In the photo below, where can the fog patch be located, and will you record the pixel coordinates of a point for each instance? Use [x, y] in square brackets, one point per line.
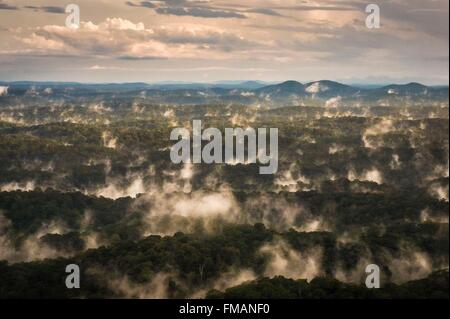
[411, 265]
[115, 189]
[395, 162]
[289, 263]
[355, 275]
[439, 191]
[99, 108]
[31, 248]
[335, 148]
[157, 288]
[316, 87]
[229, 279]
[371, 135]
[11, 119]
[108, 140]
[275, 213]
[285, 181]
[168, 213]
[171, 117]
[333, 102]
[18, 186]
[314, 225]
[4, 90]
[427, 216]
[92, 239]
[372, 175]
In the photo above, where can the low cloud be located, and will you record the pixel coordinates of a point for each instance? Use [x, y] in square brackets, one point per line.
[48, 9]
[200, 12]
[5, 6]
[265, 11]
[145, 4]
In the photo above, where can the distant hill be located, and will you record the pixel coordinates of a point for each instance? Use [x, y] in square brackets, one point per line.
[410, 88]
[288, 93]
[283, 89]
[327, 88]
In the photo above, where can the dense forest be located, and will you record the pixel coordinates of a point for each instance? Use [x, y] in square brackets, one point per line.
[91, 183]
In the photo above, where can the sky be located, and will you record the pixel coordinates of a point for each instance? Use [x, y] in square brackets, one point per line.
[213, 40]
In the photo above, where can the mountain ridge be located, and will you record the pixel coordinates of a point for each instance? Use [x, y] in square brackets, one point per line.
[323, 92]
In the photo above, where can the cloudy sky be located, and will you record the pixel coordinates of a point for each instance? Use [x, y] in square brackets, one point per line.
[211, 40]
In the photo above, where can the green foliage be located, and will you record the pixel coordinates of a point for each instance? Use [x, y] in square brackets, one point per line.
[435, 286]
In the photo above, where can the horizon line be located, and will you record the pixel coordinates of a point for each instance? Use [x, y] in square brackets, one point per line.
[223, 82]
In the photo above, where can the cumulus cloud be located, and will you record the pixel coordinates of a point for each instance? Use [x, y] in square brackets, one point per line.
[123, 39]
[290, 34]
